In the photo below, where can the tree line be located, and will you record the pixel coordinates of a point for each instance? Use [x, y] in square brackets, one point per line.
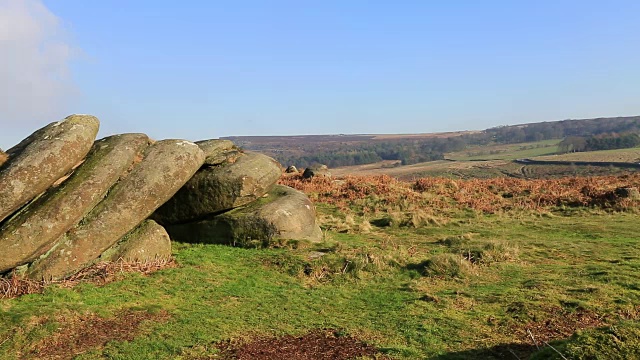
[578, 135]
[599, 142]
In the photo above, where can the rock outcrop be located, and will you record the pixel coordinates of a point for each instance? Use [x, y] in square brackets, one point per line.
[43, 158]
[32, 232]
[68, 201]
[284, 214]
[166, 166]
[291, 170]
[147, 242]
[218, 152]
[214, 189]
[316, 170]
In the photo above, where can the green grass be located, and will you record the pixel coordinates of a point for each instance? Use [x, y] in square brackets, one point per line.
[617, 155]
[620, 341]
[373, 286]
[506, 152]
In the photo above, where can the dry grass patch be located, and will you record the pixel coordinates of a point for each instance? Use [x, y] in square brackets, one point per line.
[100, 274]
[376, 195]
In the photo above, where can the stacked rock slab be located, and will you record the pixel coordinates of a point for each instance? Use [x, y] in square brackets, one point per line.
[284, 214]
[43, 158]
[67, 202]
[218, 152]
[166, 166]
[33, 231]
[147, 242]
[234, 200]
[217, 188]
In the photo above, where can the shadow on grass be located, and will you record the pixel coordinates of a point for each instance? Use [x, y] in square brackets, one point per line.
[503, 351]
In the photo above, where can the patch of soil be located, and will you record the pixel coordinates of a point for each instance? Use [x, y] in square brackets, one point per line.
[316, 345]
[561, 324]
[83, 333]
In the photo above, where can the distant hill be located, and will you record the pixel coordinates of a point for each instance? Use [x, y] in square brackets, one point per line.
[358, 149]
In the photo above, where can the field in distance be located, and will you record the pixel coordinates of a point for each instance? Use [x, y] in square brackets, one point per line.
[497, 161]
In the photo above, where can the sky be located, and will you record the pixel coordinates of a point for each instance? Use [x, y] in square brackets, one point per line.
[199, 69]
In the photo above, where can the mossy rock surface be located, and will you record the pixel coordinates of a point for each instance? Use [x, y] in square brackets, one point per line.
[214, 189]
[44, 157]
[166, 166]
[147, 242]
[33, 230]
[218, 152]
[284, 214]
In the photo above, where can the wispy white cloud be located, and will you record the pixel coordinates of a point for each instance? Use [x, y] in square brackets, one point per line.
[35, 83]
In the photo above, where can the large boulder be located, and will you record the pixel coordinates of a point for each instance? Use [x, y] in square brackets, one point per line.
[214, 189]
[166, 166]
[147, 242]
[284, 214]
[32, 231]
[43, 158]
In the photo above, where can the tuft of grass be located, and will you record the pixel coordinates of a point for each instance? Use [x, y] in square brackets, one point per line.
[481, 252]
[449, 266]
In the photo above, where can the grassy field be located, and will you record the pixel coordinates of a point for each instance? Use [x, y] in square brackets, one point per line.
[477, 170]
[618, 155]
[497, 161]
[506, 152]
[413, 282]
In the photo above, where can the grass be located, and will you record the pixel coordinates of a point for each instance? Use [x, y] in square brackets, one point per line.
[492, 161]
[506, 152]
[411, 291]
[618, 155]
[611, 342]
[434, 269]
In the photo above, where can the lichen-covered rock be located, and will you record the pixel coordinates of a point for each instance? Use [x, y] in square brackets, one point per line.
[166, 166]
[218, 152]
[42, 158]
[147, 242]
[33, 230]
[316, 170]
[218, 188]
[285, 214]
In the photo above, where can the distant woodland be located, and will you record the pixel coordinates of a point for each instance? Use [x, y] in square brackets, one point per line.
[334, 151]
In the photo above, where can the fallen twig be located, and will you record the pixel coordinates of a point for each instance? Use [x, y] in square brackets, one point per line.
[533, 339]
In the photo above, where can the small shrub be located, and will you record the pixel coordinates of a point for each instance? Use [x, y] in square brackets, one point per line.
[481, 252]
[456, 242]
[498, 251]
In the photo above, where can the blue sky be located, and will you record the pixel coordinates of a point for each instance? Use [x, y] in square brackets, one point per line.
[204, 69]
